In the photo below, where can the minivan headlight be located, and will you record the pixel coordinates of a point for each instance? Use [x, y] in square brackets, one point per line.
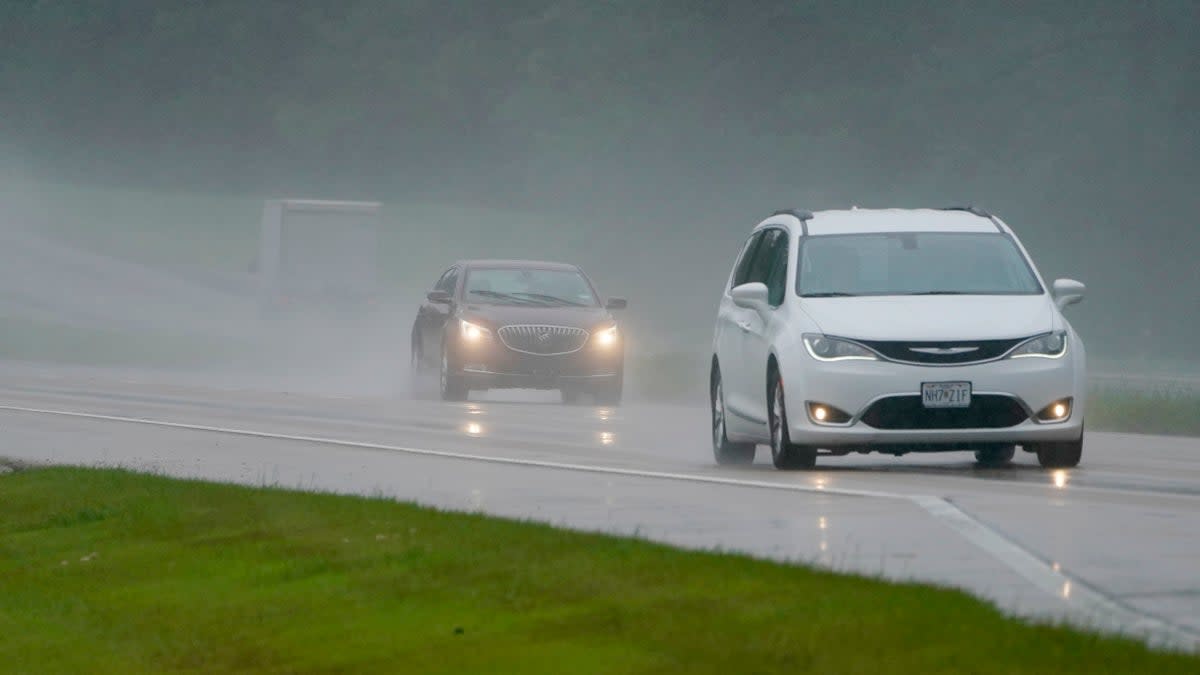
[826, 348]
[1045, 346]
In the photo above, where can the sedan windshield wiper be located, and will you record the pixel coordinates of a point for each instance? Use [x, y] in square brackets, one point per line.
[551, 298]
[830, 294]
[501, 296]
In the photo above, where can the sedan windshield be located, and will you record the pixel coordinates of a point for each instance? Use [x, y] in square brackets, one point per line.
[913, 263]
[528, 287]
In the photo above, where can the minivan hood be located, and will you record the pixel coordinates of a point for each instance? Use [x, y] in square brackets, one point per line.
[498, 316]
[932, 317]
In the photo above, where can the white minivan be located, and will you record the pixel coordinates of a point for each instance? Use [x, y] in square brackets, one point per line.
[894, 331]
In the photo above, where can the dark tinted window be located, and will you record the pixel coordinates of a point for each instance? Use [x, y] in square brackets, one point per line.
[528, 286]
[776, 276]
[741, 271]
[448, 281]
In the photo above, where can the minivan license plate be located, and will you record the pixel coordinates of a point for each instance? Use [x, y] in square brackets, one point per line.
[946, 394]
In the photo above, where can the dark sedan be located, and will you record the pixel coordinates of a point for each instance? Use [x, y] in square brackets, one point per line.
[490, 324]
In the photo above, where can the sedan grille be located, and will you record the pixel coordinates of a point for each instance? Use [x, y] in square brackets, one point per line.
[543, 340]
[958, 352]
[987, 411]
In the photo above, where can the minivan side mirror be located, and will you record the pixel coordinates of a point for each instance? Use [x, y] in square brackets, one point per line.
[1067, 292]
[616, 303]
[750, 296]
[438, 297]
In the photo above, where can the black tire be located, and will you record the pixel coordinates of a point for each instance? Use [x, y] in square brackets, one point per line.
[1059, 454]
[452, 386]
[785, 454]
[570, 395]
[1000, 455]
[725, 451]
[609, 394]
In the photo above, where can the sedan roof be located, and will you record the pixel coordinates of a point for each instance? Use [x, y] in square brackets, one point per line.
[517, 264]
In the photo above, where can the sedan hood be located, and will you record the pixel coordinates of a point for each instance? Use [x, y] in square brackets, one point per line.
[498, 316]
[932, 317]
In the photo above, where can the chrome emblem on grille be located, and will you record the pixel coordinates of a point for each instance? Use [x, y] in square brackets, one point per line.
[543, 340]
[943, 350]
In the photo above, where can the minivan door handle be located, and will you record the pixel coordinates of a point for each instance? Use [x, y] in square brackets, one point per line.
[744, 325]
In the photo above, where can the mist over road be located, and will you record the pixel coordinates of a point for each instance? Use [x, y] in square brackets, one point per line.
[1107, 545]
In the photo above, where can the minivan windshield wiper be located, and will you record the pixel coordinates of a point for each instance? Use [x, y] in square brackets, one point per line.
[830, 294]
[938, 293]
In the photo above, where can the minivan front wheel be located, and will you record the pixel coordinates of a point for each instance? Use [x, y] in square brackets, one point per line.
[784, 453]
[1059, 454]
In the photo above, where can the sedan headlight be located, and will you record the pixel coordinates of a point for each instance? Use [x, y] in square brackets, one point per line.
[825, 348]
[606, 337]
[473, 333]
[1045, 346]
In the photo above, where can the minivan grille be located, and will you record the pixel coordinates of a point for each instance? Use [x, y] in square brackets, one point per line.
[987, 411]
[957, 352]
[543, 340]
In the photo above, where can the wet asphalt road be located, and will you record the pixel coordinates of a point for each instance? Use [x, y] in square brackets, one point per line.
[1111, 544]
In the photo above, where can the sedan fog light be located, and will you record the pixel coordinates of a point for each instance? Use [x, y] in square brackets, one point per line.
[1058, 411]
[823, 413]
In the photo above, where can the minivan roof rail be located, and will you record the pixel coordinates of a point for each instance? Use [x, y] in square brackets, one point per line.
[969, 209]
[802, 216]
[976, 211]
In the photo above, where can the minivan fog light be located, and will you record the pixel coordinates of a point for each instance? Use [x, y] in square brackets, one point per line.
[1058, 411]
[823, 413]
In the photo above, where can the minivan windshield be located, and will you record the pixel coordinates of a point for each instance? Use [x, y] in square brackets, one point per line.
[528, 286]
[913, 263]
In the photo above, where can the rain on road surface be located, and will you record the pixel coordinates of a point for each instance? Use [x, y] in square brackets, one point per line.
[1110, 544]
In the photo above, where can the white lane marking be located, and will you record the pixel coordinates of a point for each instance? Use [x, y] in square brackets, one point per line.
[446, 454]
[1100, 610]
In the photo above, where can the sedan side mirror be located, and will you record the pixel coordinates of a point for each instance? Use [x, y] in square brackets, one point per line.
[616, 303]
[1067, 292]
[750, 296]
[438, 297]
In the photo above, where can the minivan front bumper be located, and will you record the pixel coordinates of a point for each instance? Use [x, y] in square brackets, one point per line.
[882, 400]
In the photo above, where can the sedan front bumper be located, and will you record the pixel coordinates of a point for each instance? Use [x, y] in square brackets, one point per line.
[494, 366]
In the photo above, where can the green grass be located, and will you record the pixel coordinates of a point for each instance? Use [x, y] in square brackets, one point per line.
[106, 571]
[1154, 412]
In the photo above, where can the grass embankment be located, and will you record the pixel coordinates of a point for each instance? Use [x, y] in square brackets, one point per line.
[1154, 412]
[110, 571]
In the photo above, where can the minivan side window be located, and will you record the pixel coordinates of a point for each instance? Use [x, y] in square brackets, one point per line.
[768, 265]
[776, 279]
[741, 271]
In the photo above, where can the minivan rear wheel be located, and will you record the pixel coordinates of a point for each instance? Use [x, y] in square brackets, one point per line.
[725, 451]
[999, 455]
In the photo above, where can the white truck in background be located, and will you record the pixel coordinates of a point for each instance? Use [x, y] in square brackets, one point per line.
[317, 254]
